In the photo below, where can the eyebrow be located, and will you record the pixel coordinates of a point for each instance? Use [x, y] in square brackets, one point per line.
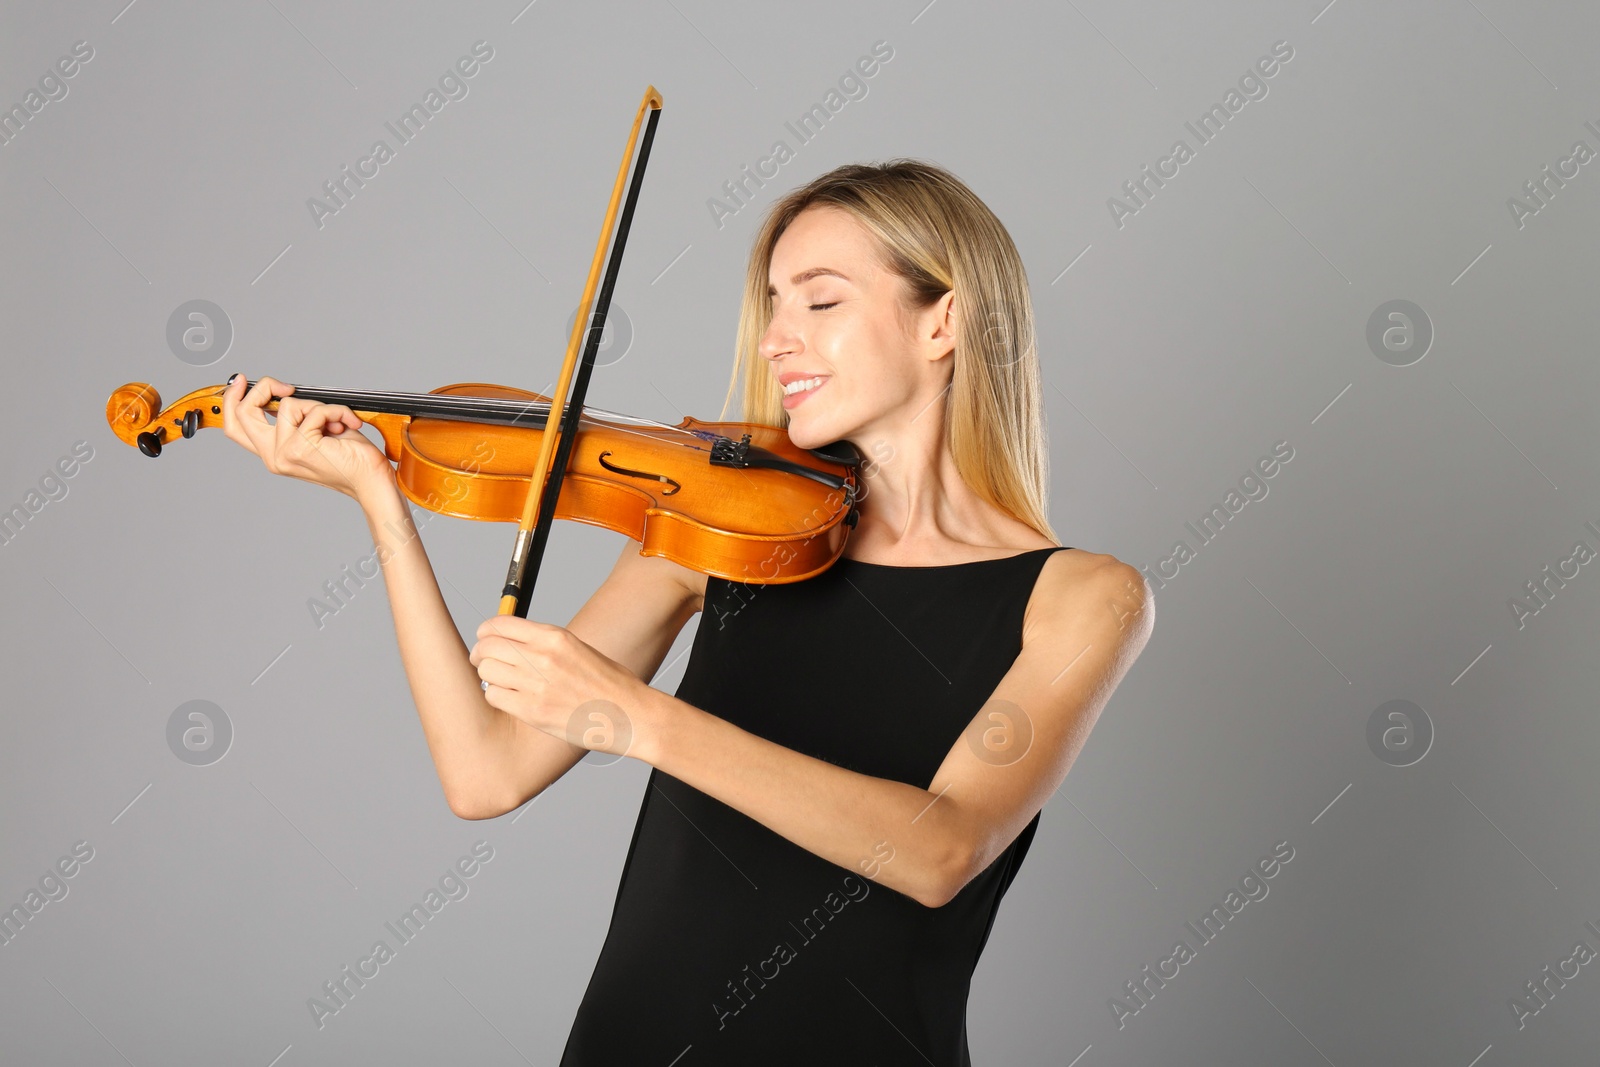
[806, 276]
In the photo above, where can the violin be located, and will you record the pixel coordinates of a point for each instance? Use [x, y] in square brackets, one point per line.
[758, 509]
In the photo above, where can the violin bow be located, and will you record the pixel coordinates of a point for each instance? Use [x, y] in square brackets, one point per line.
[545, 488]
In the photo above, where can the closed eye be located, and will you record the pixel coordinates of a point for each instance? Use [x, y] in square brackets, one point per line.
[823, 307]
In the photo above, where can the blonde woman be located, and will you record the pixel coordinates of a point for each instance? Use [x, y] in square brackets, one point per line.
[852, 769]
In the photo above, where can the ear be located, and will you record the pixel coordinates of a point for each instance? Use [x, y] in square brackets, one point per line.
[937, 326]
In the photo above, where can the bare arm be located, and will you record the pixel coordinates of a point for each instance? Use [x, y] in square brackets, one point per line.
[489, 762]
[1007, 764]
[633, 618]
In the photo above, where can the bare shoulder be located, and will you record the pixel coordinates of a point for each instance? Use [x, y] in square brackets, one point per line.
[1076, 585]
[643, 572]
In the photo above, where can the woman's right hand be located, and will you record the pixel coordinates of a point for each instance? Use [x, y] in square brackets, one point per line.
[317, 443]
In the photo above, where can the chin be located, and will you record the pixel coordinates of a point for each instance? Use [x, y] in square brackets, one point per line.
[804, 435]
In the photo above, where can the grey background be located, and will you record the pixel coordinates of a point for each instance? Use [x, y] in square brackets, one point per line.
[1228, 314]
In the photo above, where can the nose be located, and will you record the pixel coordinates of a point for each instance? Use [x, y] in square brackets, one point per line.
[779, 339]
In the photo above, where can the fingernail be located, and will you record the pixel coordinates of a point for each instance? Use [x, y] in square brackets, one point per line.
[234, 375]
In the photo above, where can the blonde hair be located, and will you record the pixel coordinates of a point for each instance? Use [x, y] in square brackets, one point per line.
[935, 234]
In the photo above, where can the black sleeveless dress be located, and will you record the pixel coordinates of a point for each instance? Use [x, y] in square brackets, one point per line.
[730, 944]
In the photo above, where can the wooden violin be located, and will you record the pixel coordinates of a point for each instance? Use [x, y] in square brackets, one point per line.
[758, 509]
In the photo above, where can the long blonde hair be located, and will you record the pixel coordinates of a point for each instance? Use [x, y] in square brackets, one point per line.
[934, 233]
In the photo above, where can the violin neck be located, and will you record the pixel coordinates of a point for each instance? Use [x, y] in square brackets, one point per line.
[504, 410]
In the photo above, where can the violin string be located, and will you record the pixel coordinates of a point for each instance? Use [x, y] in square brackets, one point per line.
[445, 400]
[505, 404]
[440, 401]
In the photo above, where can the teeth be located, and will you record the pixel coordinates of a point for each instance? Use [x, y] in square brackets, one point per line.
[801, 385]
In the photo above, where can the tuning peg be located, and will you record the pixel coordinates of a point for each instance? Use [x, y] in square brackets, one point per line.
[191, 422]
[150, 443]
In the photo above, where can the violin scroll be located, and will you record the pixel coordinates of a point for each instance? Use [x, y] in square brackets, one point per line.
[134, 412]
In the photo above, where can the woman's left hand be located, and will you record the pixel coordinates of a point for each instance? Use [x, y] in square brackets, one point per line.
[549, 678]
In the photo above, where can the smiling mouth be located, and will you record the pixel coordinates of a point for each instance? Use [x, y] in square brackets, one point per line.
[791, 399]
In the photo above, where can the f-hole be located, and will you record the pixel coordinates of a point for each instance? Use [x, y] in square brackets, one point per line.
[639, 474]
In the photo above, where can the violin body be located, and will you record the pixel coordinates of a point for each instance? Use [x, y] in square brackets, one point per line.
[658, 484]
[653, 484]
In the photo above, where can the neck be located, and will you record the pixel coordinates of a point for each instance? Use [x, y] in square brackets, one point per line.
[915, 503]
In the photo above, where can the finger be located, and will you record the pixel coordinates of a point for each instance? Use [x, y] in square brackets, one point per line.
[486, 649]
[252, 417]
[292, 416]
[244, 421]
[291, 413]
[232, 427]
[338, 419]
[516, 640]
[310, 421]
[497, 698]
[314, 422]
[265, 390]
[268, 387]
[497, 648]
[498, 674]
[513, 654]
[328, 418]
[515, 627]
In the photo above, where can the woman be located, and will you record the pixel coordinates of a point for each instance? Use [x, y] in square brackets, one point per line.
[852, 769]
